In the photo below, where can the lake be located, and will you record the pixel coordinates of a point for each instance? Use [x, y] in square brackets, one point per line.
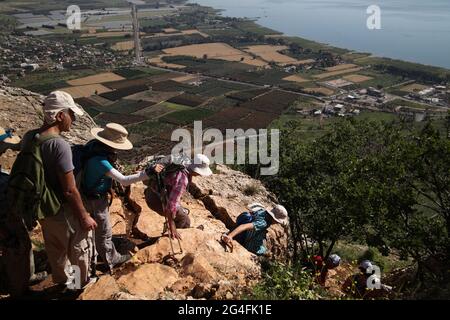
[412, 30]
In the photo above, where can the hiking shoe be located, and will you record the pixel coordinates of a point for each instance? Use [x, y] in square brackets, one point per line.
[38, 277]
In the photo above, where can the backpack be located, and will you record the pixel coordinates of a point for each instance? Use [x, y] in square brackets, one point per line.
[171, 163]
[81, 153]
[27, 193]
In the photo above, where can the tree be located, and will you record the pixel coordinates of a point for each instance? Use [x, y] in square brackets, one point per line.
[376, 183]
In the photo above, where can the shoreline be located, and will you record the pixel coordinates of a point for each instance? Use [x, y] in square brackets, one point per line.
[329, 45]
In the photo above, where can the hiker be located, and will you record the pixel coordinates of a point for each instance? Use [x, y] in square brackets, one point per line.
[66, 225]
[98, 175]
[357, 284]
[252, 227]
[164, 197]
[321, 269]
[8, 140]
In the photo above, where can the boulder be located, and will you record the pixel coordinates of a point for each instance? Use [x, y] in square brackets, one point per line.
[148, 280]
[103, 289]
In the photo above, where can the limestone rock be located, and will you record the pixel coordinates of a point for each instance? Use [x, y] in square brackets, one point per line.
[103, 289]
[148, 280]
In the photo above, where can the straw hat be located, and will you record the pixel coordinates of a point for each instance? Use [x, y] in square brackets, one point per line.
[279, 214]
[13, 140]
[114, 135]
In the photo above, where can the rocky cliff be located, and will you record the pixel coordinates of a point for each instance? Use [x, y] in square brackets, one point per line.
[202, 268]
[21, 110]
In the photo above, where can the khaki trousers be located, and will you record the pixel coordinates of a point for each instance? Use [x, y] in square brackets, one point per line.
[67, 243]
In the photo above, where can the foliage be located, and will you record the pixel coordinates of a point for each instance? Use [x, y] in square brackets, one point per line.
[282, 282]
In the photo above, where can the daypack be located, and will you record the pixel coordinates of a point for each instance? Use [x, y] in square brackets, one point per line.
[28, 194]
[171, 163]
[81, 153]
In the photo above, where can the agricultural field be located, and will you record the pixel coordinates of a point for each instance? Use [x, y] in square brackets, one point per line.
[296, 78]
[415, 87]
[340, 67]
[188, 100]
[86, 90]
[218, 50]
[271, 53]
[357, 78]
[122, 93]
[98, 78]
[320, 90]
[185, 117]
[336, 73]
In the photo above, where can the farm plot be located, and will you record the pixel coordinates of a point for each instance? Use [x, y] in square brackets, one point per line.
[239, 118]
[124, 106]
[320, 90]
[153, 96]
[246, 95]
[336, 73]
[273, 102]
[341, 67]
[214, 88]
[169, 86]
[122, 93]
[188, 100]
[122, 84]
[295, 78]
[415, 87]
[187, 116]
[338, 83]
[123, 46]
[217, 50]
[154, 111]
[271, 53]
[98, 78]
[86, 90]
[123, 119]
[357, 78]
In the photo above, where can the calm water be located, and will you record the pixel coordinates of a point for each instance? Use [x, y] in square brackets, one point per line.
[413, 30]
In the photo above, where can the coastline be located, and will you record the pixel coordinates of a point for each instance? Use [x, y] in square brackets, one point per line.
[329, 45]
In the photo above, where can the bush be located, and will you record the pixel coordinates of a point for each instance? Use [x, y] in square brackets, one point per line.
[282, 282]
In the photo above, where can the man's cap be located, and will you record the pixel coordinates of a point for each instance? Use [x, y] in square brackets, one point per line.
[59, 101]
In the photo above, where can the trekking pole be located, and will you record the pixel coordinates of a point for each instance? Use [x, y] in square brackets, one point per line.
[162, 192]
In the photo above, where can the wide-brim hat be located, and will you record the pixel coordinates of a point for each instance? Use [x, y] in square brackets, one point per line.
[200, 165]
[113, 135]
[12, 140]
[279, 214]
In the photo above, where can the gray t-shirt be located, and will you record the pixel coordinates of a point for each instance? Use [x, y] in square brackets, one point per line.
[57, 158]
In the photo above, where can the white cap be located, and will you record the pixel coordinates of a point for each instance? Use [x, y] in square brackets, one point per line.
[59, 101]
[200, 165]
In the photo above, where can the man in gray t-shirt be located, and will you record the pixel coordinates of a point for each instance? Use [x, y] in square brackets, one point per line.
[57, 158]
[67, 235]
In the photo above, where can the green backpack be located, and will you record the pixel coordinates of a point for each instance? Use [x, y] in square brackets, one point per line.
[28, 194]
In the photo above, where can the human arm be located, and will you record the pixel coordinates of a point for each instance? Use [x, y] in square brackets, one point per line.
[242, 228]
[126, 180]
[73, 197]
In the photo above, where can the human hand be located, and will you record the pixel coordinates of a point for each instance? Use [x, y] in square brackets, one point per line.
[88, 223]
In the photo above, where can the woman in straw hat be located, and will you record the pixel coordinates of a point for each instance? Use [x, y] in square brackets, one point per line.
[252, 226]
[97, 179]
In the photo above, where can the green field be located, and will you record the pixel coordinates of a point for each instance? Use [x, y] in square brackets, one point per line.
[44, 82]
[187, 116]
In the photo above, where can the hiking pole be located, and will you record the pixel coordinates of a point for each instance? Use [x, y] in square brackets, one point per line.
[163, 198]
